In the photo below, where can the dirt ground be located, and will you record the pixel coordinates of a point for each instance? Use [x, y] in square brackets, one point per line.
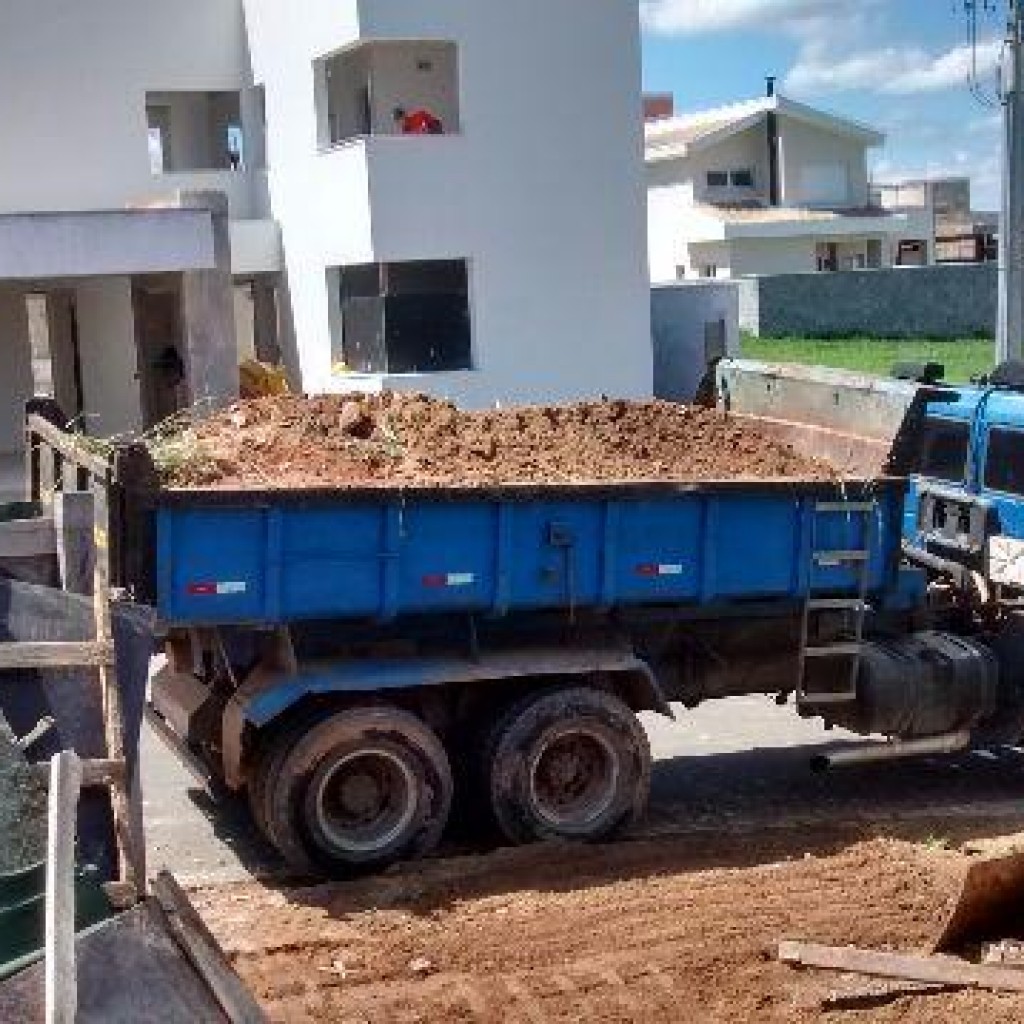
[291, 442]
[676, 930]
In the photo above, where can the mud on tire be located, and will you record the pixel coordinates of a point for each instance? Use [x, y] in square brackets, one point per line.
[356, 792]
[570, 763]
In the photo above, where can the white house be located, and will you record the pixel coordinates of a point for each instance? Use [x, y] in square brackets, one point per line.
[769, 186]
[174, 176]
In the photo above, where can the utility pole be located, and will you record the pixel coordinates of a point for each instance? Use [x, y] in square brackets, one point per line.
[1010, 329]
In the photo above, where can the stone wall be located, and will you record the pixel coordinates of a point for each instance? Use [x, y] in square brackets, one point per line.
[907, 302]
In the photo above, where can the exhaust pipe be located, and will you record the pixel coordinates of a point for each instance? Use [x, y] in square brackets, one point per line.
[893, 750]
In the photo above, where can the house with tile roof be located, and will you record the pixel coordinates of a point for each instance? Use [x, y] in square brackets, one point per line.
[770, 186]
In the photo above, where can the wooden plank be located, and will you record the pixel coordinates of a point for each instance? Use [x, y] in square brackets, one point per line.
[69, 446]
[102, 772]
[205, 953]
[131, 847]
[935, 970]
[61, 980]
[84, 654]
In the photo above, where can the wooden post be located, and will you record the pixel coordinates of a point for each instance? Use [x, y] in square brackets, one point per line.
[61, 983]
[131, 865]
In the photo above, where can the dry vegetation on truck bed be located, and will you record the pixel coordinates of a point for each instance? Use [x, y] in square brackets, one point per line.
[412, 440]
[670, 931]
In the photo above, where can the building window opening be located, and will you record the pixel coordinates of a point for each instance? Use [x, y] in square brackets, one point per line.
[388, 88]
[827, 257]
[409, 317]
[195, 131]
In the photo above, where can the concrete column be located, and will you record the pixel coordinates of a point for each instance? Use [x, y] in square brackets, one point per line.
[38, 315]
[73, 522]
[208, 313]
[265, 327]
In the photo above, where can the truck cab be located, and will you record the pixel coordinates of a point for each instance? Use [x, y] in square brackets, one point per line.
[965, 509]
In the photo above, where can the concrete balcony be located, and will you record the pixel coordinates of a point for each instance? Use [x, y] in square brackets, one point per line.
[242, 188]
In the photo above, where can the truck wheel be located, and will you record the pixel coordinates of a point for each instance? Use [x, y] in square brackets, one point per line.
[267, 767]
[568, 764]
[358, 791]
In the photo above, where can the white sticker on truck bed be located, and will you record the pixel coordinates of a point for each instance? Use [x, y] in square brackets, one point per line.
[1006, 561]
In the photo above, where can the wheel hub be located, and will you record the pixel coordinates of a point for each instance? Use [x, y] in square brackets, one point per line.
[366, 800]
[574, 779]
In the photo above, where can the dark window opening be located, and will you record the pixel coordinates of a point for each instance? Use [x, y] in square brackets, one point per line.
[1004, 463]
[944, 450]
[195, 131]
[718, 179]
[405, 317]
[387, 88]
[743, 178]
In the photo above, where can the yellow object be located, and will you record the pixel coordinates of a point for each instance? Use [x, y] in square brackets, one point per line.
[261, 380]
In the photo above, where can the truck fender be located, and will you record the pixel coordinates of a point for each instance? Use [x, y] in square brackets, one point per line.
[267, 694]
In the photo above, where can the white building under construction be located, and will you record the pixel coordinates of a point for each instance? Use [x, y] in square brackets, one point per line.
[445, 196]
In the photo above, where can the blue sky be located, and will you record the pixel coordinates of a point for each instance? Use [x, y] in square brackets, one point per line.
[902, 66]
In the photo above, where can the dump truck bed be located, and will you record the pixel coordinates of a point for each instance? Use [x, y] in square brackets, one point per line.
[275, 557]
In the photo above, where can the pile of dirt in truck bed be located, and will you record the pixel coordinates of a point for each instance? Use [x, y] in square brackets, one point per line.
[666, 931]
[412, 440]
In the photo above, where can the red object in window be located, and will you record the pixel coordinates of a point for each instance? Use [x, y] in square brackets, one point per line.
[422, 122]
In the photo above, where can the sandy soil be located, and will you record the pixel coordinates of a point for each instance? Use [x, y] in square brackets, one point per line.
[413, 440]
[682, 930]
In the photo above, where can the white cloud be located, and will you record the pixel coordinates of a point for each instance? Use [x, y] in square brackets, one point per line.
[898, 70]
[694, 17]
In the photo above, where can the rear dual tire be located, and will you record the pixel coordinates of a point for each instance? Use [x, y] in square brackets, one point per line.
[354, 792]
[567, 764]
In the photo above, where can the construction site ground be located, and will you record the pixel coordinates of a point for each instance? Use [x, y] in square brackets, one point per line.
[742, 847]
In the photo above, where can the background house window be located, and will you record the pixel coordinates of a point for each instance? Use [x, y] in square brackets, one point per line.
[387, 88]
[709, 270]
[718, 179]
[194, 131]
[411, 317]
[827, 256]
[742, 177]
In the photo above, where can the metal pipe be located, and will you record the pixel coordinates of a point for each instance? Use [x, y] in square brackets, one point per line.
[957, 572]
[893, 750]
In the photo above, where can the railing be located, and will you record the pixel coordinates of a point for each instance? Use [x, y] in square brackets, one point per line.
[56, 460]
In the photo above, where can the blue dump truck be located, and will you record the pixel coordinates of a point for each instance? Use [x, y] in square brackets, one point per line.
[361, 663]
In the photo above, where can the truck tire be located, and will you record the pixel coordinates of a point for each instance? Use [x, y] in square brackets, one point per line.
[357, 792]
[267, 767]
[571, 763]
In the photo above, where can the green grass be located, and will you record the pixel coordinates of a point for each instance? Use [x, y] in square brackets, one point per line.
[963, 359]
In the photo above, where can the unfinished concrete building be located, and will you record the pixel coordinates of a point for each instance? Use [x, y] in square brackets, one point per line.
[383, 192]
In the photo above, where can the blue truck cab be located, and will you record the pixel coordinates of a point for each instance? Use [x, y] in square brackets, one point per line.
[964, 514]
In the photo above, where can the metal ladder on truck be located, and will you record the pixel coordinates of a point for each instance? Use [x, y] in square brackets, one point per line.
[846, 652]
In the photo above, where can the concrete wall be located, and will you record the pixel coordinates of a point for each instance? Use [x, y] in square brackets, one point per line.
[542, 192]
[16, 378]
[106, 336]
[772, 255]
[680, 314]
[939, 301]
[746, 149]
[802, 145]
[75, 135]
